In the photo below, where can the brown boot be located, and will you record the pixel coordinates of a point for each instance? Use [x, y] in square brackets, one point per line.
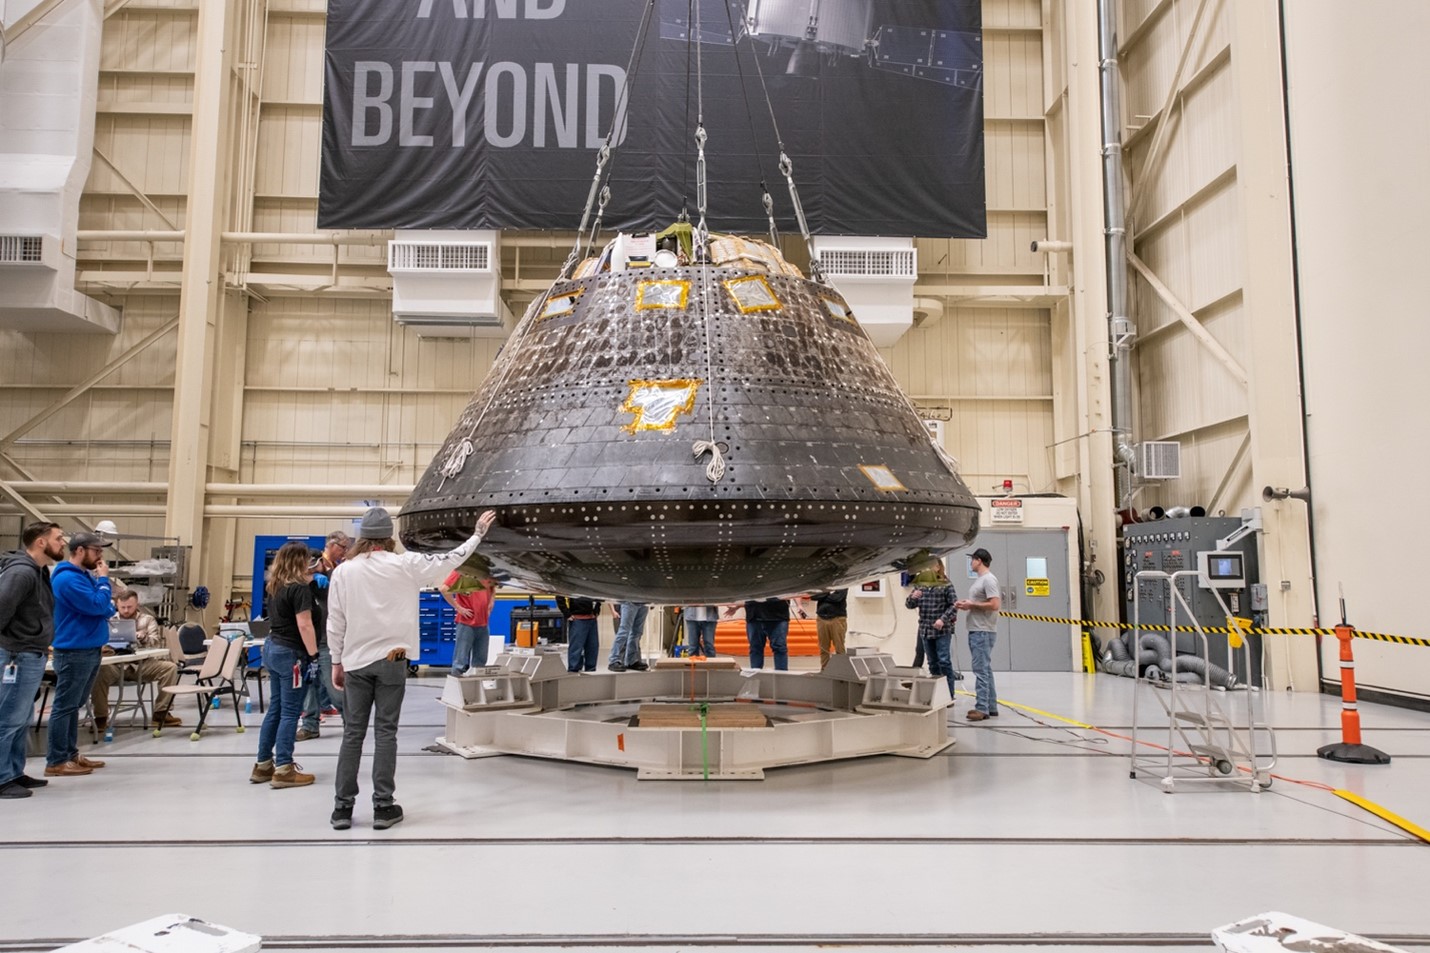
[289, 776]
[89, 762]
[70, 769]
[262, 772]
[164, 719]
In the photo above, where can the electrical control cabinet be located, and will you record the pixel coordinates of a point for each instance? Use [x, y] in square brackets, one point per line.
[1171, 545]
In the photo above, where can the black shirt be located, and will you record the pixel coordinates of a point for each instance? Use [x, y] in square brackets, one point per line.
[767, 610]
[831, 605]
[283, 615]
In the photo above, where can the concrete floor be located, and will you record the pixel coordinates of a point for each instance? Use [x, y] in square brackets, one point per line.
[1027, 834]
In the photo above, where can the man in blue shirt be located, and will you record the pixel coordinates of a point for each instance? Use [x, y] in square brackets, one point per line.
[83, 606]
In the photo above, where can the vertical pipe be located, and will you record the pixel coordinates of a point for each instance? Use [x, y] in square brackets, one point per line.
[1120, 328]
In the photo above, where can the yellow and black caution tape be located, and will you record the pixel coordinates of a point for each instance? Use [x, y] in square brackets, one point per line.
[1222, 630]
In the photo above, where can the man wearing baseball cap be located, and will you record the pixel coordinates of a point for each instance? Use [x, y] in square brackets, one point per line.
[372, 634]
[82, 609]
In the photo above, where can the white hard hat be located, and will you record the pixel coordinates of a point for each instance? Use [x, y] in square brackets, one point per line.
[106, 528]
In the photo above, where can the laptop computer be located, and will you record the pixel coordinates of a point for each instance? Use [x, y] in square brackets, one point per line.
[122, 634]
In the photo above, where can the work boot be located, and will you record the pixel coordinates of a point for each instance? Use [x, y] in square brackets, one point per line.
[70, 769]
[165, 719]
[289, 776]
[639, 665]
[89, 762]
[305, 735]
[976, 715]
[262, 772]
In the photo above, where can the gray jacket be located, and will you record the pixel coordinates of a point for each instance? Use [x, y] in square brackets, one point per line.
[27, 605]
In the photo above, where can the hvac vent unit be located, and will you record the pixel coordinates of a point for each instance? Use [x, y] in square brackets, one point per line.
[30, 251]
[448, 283]
[1159, 460]
[876, 277]
[22, 249]
[935, 429]
[410, 257]
[869, 263]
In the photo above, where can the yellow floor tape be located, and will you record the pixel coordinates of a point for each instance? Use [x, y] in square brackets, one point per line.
[1151, 627]
[1365, 804]
[1384, 815]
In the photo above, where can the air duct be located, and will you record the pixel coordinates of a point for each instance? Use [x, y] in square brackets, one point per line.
[48, 82]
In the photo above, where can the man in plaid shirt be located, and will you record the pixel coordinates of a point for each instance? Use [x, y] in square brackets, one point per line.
[937, 615]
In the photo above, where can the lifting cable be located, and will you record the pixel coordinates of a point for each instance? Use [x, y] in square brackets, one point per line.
[787, 170]
[766, 201]
[599, 182]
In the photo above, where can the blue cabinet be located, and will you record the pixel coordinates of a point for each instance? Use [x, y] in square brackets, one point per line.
[437, 629]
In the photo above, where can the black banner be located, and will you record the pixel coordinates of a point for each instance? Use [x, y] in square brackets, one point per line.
[490, 113]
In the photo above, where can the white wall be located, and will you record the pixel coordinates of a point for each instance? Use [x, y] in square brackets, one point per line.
[1360, 137]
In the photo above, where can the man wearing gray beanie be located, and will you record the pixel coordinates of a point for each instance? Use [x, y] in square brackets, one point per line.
[372, 632]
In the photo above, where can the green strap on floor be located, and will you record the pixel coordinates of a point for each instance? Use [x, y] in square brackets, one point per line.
[704, 709]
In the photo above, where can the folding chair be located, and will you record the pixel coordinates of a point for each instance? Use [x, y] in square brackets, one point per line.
[218, 676]
[188, 662]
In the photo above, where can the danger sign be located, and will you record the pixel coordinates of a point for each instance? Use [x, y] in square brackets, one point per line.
[1007, 511]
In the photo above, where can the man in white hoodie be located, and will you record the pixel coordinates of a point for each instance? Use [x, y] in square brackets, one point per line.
[372, 632]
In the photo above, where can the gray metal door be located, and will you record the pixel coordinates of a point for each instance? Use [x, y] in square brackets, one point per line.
[1032, 570]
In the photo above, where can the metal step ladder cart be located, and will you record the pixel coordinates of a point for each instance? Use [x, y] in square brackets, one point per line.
[1211, 714]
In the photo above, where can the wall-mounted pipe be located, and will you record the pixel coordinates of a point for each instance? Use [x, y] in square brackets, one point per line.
[1121, 330]
[212, 510]
[287, 238]
[1046, 246]
[359, 491]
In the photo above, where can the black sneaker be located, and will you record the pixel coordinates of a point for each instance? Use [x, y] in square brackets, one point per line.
[14, 789]
[25, 781]
[385, 817]
[616, 667]
[342, 818]
[638, 666]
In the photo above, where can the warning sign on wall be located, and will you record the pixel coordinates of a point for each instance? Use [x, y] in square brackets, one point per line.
[1037, 587]
[1006, 511]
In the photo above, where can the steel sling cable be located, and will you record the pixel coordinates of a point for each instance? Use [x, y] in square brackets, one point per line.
[605, 153]
[787, 167]
[457, 457]
[766, 201]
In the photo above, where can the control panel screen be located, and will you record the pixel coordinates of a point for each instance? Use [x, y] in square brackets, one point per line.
[1225, 566]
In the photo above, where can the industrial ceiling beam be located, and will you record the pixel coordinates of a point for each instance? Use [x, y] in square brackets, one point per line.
[1151, 163]
[79, 389]
[1184, 314]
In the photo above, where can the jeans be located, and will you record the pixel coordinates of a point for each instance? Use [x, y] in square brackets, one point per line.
[831, 637]
[700, 637]
[379, 686]
[17, 701]
[160, 671]
[774, 632]
[473, 644]
[323, 687]
[285, 704]
[939, 649]
[627, 647]
[583, 644]
[75, 671]
[980, 645]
